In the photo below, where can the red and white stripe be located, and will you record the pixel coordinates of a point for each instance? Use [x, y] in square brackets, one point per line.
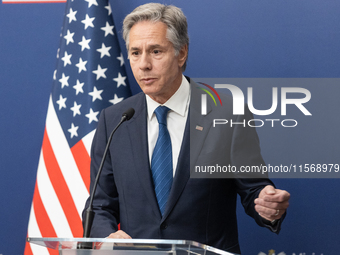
[62, 186]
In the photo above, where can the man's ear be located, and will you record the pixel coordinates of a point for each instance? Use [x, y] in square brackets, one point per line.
[182, 55]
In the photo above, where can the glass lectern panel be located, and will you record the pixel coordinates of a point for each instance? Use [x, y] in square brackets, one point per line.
[103, 246]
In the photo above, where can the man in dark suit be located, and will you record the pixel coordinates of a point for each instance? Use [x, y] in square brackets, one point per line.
[145, 184]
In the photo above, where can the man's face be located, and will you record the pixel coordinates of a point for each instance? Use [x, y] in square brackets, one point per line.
[153, 61]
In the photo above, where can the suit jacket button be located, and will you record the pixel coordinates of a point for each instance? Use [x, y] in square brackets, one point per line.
[164, 225]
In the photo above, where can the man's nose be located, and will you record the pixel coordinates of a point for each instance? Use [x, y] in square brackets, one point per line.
[145, 62]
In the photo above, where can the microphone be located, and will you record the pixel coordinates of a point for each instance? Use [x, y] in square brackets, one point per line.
[89, 214]
[128, 114]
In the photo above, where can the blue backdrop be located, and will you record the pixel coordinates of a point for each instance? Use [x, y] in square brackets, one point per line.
[228, 38]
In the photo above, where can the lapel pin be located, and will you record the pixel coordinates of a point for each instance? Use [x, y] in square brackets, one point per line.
[199, 128]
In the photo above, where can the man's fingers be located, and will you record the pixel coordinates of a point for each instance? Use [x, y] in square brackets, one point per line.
[120, 234]
[270, 210]
[270, 194]
[279, 196]
[268, 213]
[272, 205]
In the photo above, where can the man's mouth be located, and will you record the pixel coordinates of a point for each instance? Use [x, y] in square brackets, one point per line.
[148, 80]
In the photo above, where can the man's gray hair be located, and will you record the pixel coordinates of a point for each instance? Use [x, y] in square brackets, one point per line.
[172, 16]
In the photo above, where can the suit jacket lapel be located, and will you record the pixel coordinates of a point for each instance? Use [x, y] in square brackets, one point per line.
[199, 124]
[137, 129]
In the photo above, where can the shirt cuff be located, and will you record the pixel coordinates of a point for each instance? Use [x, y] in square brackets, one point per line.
[272, 225]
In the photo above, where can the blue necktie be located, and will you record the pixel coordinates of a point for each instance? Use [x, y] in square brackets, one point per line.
[161, 162]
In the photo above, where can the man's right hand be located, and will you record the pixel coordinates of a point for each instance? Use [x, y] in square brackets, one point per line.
[120, 234]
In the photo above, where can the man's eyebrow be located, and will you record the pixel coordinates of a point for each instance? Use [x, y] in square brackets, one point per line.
[134, 48]
[152, 46]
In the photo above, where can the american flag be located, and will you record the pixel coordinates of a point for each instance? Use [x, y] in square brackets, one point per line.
[90, 76]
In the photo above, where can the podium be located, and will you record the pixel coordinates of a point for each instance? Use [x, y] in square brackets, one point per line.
[105, 246]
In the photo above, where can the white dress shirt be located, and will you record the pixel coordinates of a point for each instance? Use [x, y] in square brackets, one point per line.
[176, 120]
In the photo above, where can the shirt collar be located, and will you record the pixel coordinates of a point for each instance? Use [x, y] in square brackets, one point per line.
[178, 102]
